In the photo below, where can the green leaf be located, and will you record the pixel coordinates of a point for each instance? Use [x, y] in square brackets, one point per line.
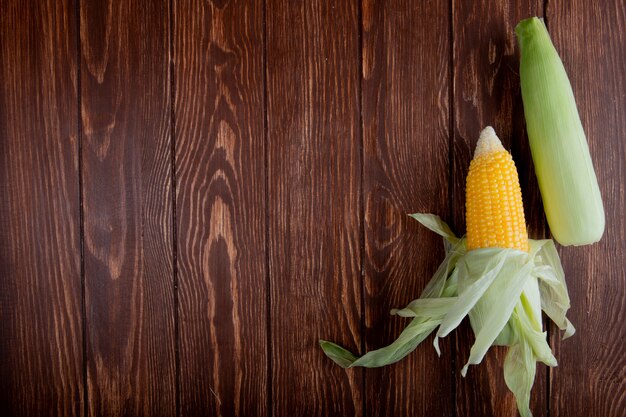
[519, 375]
[428, 311]
[408, 340]
[471, 287]
[434, 223]
[536, 339]
[494, 309]
[554, 296]
[502, 291]
[411, 336]
[528, 346]
[341, 356]
[426, 307]
[444, 278]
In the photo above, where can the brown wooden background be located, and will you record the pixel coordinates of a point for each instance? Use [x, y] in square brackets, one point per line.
[195, 192]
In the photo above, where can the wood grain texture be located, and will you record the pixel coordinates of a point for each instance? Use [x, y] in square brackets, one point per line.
[127, 208]
[314, 203]
[246, 171]
[487, 93]
[220, 170]
[406, 71]
[591, 377]
[40, 288]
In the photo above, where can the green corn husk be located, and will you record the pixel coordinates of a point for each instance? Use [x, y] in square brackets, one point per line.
[568, 183]
[503, 292]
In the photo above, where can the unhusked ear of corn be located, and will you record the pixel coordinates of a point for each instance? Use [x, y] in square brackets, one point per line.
[567, 180]
[493, 199]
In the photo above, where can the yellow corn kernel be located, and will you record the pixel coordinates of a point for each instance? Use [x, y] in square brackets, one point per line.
[493, 198]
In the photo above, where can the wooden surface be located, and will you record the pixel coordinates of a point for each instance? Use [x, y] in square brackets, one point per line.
[127, 208]
[313, 204]
[405, 133]
[196, 192]
[220, 181]
[41, 339]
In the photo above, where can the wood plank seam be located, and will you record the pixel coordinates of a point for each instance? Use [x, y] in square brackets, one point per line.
[451, 202]
[81, 214]
[361, 136]
[173, 202]
[268, 277]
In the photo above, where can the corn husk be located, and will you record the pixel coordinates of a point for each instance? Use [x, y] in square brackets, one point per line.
[567, 180]
[502, 291]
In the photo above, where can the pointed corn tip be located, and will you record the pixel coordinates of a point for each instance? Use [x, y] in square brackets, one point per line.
[526, 26]
[488, 142]
[529, 29]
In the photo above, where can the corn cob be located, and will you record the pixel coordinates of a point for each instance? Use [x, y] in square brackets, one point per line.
[494, 210]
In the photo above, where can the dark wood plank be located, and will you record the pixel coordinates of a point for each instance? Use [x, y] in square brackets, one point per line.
[40, 304]
[220, 168]
[591, 377]
[487, 92]
[406, 70]
[314, 201]
[127, 208]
